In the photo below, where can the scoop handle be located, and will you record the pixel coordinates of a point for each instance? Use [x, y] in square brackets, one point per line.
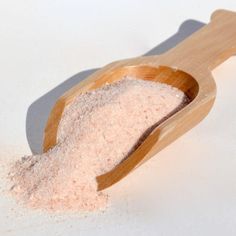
[208, 47]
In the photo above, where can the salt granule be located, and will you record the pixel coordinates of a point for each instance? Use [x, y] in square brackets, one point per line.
[97, 131]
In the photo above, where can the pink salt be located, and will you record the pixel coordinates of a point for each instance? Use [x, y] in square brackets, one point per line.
[97, 131]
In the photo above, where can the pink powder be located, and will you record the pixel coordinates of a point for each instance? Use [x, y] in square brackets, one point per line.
[97, 131]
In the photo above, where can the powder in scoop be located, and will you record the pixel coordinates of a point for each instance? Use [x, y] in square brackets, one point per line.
[97, 131]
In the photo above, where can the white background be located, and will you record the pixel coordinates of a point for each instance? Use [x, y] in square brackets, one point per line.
[47, 46]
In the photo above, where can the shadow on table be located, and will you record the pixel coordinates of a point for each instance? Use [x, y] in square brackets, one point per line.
[39, 110]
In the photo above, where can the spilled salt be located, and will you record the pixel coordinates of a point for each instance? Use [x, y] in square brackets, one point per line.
[97, 131]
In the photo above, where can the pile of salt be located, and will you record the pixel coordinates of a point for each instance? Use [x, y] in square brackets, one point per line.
[97, 131]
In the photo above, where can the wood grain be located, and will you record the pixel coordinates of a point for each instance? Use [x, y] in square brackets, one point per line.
[187, 67]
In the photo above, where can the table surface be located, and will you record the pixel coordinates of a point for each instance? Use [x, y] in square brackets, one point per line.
[46, 47]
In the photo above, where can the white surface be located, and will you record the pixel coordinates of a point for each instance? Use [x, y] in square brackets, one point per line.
[192, 183]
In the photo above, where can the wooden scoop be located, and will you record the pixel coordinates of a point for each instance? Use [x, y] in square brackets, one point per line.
[187, 67]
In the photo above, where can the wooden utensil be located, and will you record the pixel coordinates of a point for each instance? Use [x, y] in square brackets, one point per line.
[187, 67]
